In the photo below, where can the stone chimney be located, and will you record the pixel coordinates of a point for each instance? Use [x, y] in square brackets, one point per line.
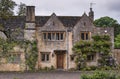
[30, 14]
[91, 14]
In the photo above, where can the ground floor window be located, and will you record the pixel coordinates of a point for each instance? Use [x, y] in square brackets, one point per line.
[72, 57]
[90, 57]
[45, 57]
[14, 58]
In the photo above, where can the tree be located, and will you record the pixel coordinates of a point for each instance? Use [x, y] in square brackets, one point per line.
[117, 41]
[21, 9]
[6, 8]
[108, 22]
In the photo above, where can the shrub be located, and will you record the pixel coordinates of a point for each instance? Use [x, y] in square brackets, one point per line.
[93, 67]
[99, 75]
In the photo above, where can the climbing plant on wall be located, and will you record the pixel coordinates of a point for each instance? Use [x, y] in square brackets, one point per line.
[32, 56]
[6, 46]
[101, 44]
[82, 49]
[31, 53]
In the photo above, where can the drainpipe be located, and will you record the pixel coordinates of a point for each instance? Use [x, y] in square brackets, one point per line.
[67, 47]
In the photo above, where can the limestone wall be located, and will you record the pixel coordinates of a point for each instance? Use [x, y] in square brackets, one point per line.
[116, 55]
[6, 66]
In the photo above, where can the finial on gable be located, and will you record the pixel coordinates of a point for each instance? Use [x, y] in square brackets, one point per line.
[53, 14]
[84, 14]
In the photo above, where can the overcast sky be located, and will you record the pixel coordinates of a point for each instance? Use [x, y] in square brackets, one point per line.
[101, 8]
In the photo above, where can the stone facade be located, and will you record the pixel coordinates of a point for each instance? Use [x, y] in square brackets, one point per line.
[116, 55]
[56, 36]
[15, 65]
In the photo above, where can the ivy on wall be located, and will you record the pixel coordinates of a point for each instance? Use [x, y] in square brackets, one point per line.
[31, 53]
[101, 44]
[30, 50]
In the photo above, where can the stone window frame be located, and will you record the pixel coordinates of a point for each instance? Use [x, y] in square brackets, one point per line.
[53, 36]
[86, 35]
[46, 56]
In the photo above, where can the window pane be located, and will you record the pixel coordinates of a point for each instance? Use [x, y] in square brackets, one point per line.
[17, 58]
[61, 36]
[86, 36]
[47, 57]
[49, 36]
[57, 36]
[43, 57]
[53, 36]
[82, 36]
[44, 34]
[90, 57]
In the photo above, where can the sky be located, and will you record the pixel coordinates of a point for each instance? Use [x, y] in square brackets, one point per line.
[101, 8]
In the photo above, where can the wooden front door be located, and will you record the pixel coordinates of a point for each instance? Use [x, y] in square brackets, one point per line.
[60, 61]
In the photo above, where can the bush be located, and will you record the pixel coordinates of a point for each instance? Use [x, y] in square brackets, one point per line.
[99, 75]
[93, 67]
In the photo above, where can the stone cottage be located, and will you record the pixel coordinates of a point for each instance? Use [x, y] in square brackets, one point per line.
[56, 36]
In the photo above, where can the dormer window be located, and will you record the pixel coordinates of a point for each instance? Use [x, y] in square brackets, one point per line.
[85, 35]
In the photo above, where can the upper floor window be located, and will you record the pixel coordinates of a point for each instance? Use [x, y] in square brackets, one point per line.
[52, 36]
[85, 35]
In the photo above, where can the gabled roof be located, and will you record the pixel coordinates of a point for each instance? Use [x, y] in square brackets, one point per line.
[53, 24]
[68, 21]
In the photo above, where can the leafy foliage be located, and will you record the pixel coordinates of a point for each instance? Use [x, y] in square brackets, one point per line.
[105, 22]
[6, 8]
[101, 44]
[100, 75]
[103, 47]
[31, 53]
[82, 49]
[6, 46]
[32, 56]
[117, 41]
[21, 9]
[108, 22]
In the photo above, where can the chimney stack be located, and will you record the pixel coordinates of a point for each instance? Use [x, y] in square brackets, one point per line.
[91, 14]
[30, 14]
